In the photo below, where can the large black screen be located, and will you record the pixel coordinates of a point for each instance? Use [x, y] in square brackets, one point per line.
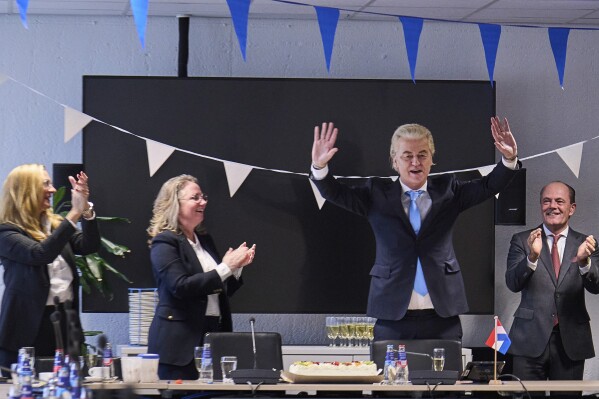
[308, 260]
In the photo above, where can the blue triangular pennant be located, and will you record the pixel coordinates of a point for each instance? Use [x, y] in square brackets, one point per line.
[140, 16]
[558, 37]
[23, 5]
[240, 10]
[327, 21]
[490, 35]
[412, 27]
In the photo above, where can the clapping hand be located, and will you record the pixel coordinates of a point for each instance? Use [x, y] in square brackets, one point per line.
[323, 148]
[79, 193]
[240, 256]
[585, 250]
[504, 140]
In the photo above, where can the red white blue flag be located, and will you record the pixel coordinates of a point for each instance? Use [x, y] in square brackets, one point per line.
[502, 342]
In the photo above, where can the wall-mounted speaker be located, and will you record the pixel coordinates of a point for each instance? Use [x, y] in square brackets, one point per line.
[510, 206]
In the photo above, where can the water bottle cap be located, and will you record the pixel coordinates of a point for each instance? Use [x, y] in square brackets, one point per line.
[148, 356]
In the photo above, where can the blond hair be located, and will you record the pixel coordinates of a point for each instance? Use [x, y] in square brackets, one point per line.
[21, 198]
[165, 214]
[411, 131]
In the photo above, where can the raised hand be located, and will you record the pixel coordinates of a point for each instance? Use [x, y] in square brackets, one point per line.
[585, 249]
[240, 256]
[535, 244]
[504, 140]
[79, 192]
[323, 148]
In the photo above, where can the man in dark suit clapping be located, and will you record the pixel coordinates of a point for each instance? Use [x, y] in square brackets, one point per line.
[552, 266]
[416, 287]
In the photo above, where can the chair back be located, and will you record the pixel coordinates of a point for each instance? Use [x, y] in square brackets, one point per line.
[422, 352]
[269, 354]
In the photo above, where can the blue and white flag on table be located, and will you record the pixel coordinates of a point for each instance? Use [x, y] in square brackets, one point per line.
[502, 343]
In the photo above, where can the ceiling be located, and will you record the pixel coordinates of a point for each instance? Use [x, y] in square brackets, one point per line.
[572, 13]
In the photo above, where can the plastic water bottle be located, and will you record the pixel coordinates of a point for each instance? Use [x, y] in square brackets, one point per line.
[58, 359]
[25, 379]
[107, 360]
[74, 380]
[402, 374]
[206, 370]
[388, 370]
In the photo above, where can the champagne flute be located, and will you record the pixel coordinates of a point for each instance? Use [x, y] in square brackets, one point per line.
[370, 329]
[197, 357]
[344, 330]
[332, 325]
[353, 333]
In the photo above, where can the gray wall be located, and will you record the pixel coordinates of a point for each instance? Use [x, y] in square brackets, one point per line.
[56, 51]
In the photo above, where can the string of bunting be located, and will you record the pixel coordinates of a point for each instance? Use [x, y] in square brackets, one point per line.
[328, 19]
[158, 153]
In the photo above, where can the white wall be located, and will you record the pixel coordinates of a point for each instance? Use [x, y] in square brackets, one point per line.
[56, 51]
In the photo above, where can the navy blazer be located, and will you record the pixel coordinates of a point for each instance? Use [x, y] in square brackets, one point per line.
[183, 290]
[542, 295]
[26, 279]
[397, 245]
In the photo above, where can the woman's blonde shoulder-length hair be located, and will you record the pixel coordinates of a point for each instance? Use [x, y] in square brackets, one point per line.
[165, 214]
[21, 199]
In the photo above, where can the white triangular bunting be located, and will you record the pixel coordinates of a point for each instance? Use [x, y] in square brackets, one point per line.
[158, 153]
[485, 170]
[319, 200]
[236, 175]
[394, 178]
[74, 121]
[572, 155]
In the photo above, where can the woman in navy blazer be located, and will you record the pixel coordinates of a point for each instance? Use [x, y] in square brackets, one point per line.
[37, 251]
[193, 284]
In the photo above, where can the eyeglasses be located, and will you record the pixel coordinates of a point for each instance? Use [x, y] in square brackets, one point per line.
[198, 197]
[47, 183]
[410, 157]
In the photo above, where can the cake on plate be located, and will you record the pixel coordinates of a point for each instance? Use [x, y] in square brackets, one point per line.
[365, 368]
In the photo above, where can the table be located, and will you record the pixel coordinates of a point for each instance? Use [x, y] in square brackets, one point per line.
[322, 389]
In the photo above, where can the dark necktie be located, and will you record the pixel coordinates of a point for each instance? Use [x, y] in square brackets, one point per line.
[414, 215]
[555, 255]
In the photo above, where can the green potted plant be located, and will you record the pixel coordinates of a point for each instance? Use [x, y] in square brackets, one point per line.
[92, 267]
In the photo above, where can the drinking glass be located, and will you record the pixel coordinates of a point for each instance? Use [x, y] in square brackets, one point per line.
[332, 325]
[344, 330]
[438, 359]
[228, 364]
[352, 331]
[361, 331]
[197, 357]
[370, 329]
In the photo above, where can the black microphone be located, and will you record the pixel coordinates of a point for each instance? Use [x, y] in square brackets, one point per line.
[55, 319]
[423, 377]
[255, 375]
[422, 355]
[252, 321]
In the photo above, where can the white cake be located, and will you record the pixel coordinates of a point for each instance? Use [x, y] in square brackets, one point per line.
[334, 368]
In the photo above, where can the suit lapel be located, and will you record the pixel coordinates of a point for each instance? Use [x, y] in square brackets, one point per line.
[190, 255]
[394, 194]
[572, 243]
[432, 191]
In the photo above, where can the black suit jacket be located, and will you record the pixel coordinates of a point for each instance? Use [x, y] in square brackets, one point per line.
[542, 295]
[183, 290]
[26, 279]
[398, 247]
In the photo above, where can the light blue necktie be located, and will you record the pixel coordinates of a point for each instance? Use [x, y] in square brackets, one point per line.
[414, 215]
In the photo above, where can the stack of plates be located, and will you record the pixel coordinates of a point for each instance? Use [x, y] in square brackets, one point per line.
[142, 305]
